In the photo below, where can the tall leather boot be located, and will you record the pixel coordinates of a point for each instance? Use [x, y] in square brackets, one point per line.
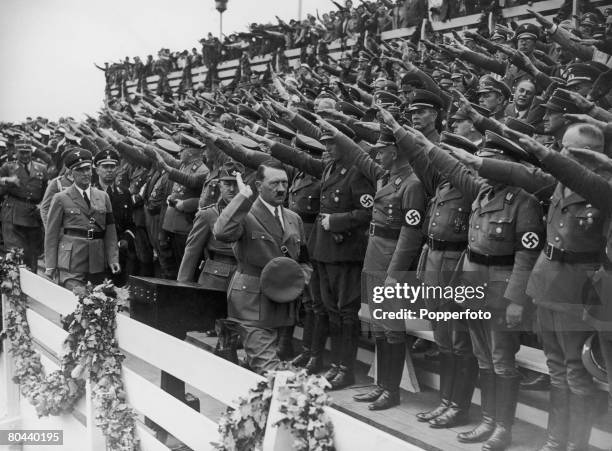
[285, 342]
[485, 428]
[464, 381]
[390, 397]
[335, 335]
[582, 412]
[350, 335]
[447, 370]
[308, 332]
[319, 337]
[558, 420]
[382, 351]
[506, 396]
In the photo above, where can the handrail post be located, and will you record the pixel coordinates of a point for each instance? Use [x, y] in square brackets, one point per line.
[10, 418]
[277, 438]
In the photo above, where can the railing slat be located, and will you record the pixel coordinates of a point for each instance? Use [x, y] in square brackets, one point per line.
[186, 424]
[48, 293]
[198, 368]
[147, 441]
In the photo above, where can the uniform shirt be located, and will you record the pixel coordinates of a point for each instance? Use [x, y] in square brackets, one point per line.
[573, 224]
[19, 206]
[505, 221]
[347, 196]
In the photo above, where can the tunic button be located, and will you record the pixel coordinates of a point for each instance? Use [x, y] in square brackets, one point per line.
[216, 271]
[589, 214]
[557, 238]
[477, 226]
[498, 230]
[459, 209]
[243, 287]
[472, 238]
[441, 203]
[560, 224]
[433, 224]
[262, 237]
[437, 213]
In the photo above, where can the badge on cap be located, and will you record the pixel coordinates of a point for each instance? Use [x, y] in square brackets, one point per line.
[366, 200]
[530, 240]
[413, 217]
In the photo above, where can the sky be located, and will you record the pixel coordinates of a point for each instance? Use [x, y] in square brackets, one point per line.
[48, 47]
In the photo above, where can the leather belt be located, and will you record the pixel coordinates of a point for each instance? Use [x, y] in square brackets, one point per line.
[384, 232]
[227, 259]
[553, 253]
[490, 260]
[89, 234]
[442, 245]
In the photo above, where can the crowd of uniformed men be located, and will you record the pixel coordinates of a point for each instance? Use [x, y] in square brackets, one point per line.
[481, 162]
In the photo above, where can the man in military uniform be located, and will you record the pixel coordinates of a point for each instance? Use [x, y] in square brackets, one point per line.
[186, 177]
[504, 236]
[304, 199]
[446, 230]
[555, 123]
[424, 111]
[261, 231]
[337, 244]
[493, 95]
[59, 183]
[393, 248]
[203, 252]
[81, 240]
[106, 162]
[560, 277]
[24, 182]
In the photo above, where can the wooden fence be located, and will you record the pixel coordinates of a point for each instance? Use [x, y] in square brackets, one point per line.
[205, 372]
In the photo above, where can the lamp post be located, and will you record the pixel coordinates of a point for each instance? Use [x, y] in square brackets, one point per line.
[221, 6]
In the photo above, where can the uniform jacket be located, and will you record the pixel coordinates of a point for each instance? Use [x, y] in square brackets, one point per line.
[188, 181]
[598, 190]
[257, 238]
[572, 224]
[447, 217]
[123, 207]
[504, 220]
[399, 205]
[19, 206]
[347, 196]
[76, 254]
[215, 259]
[56, 185]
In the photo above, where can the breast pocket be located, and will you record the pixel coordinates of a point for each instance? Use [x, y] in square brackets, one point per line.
[501, 229]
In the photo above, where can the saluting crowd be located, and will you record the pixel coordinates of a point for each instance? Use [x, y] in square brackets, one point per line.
[291, 194]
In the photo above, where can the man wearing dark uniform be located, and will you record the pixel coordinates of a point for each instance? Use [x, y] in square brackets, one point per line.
[106, 162]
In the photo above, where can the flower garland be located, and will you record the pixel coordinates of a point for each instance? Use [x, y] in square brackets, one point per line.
[302, 401]
[91, 352]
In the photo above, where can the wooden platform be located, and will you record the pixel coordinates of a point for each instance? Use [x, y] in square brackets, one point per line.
[401, 421]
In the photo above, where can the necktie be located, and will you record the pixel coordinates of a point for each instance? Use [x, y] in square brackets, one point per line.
[277, 216]
[86, 197]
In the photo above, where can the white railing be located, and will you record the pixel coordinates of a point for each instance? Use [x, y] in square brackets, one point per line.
[205, 372]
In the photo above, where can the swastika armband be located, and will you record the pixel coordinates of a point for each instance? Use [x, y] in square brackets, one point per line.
[530, 241]
[413, 218]
[366, 200]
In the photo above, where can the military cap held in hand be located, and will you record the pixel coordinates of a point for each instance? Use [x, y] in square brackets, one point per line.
[282, 280]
